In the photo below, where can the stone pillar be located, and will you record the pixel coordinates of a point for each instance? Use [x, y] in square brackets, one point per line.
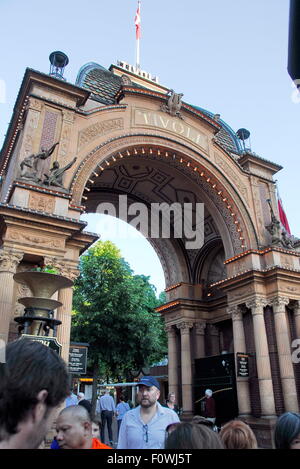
[284, 354]
[262, 357]
[200, 342]
[65, 296]
[296, 309]
[9, 261]
[172, 361]
[214, 339]
[186, 367]
[242, 384]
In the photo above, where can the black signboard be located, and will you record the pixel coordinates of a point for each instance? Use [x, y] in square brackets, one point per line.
[242, 365]
[77, 359]
[47, 341]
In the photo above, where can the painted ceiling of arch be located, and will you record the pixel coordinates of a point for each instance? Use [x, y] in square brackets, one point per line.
[147, 181]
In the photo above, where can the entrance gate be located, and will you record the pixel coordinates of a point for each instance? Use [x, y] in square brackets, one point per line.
[70, 147]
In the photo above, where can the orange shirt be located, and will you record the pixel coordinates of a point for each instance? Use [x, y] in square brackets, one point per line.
[96, 444]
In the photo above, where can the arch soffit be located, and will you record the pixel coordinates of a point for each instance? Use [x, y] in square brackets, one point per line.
[195, 165]
[171, 255]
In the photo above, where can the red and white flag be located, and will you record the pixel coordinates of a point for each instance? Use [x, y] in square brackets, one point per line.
[137, 21]
[282, 215]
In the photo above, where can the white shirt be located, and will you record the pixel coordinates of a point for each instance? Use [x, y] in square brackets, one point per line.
[134, 434]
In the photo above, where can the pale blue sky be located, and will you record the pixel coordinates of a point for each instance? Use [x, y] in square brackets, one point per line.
[229, 57]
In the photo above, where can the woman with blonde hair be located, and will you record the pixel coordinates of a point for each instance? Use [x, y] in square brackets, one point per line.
[238, 435]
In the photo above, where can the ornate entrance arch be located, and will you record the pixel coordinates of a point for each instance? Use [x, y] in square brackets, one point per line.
[220, 195]
[130, 136]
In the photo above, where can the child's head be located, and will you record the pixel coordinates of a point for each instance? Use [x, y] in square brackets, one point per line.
[96, 427]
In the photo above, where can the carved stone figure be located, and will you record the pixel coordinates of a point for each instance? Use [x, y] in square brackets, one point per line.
[275, 230]
[173, 104]
[286, 240]
[279, 235]
[29, 166]
[54, 178]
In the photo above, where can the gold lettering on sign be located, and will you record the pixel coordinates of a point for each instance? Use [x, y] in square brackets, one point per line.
[142, 117]
[98, 129]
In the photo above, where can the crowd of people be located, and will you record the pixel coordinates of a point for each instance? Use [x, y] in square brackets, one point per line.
[34, 384]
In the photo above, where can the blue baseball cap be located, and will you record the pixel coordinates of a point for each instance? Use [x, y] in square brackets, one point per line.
[149, 381]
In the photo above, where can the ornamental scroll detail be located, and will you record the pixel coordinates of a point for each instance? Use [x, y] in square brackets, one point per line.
[97, 130]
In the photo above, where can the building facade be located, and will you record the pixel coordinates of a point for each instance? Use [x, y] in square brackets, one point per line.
[121, 133]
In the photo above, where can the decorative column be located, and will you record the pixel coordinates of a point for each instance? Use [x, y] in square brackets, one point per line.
[172, 360]
[296, 309]
[242, 384]
[262, 357]
[284, 354]
[65, 296]
[9, 261]
[200, 342]
[214, 339]
[186, 367]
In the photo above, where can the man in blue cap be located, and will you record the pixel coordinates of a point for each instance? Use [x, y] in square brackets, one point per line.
[145, 426]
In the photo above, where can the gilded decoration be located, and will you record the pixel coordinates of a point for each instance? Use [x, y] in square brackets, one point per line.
[98, 129]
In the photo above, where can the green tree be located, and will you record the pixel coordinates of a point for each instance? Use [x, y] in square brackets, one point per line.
[113, 310]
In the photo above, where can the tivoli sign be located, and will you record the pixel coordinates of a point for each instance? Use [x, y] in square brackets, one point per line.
[143, 117]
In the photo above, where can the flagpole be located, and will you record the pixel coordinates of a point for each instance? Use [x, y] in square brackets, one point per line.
[138, 35]
[137, 64]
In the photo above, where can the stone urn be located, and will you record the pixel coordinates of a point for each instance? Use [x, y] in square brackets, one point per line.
[38, 318]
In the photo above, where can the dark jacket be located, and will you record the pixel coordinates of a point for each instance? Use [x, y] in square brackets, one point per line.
[210, 407]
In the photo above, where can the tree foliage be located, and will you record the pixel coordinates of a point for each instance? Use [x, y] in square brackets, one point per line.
[113, 310]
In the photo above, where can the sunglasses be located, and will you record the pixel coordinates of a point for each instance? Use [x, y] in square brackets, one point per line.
[145, 433]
